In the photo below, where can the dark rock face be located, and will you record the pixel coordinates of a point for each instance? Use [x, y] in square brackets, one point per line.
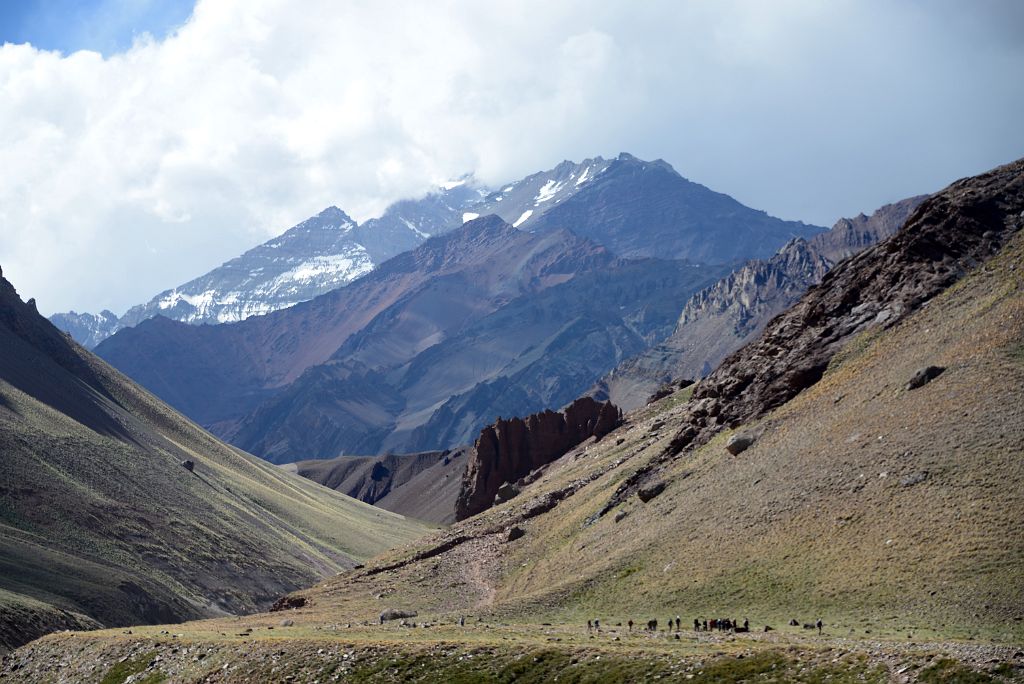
[515, 533]
[720, 319]
[510, 449]
[949, 234]
[506, 492]
[924, 376]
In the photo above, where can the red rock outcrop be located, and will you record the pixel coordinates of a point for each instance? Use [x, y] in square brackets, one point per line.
[510, 449]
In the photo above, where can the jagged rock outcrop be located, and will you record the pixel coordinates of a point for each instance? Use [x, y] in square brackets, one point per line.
[722, 318]
[951, 233]
[509, 449]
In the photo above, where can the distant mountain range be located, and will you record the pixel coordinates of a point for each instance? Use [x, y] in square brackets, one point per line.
[485, 321]
[618, 203]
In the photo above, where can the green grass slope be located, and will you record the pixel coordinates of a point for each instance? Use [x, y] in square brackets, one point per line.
[100, 522]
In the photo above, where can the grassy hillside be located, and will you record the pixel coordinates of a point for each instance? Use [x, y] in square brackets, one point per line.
[99, 520]
[893, 514]
[875, 507]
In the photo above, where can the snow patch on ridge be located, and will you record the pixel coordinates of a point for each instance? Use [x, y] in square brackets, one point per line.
[413, 228]
[347, 266]
[522, 219]
[468, 216]
[549, 190]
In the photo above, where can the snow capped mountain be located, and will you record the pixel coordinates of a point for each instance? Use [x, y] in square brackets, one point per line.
[523, 202]
[320, 254]
[311, 258]
[634, 208]
[407, 223]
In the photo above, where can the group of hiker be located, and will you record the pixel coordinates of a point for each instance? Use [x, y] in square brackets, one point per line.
[720, 625]
[701, 625]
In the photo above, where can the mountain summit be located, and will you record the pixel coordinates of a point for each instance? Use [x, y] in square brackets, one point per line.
[635, 208]
[316, 256]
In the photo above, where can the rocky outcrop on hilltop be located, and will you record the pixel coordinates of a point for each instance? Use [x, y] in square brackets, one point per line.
[950, 234]
[722, 318]
[510, 449]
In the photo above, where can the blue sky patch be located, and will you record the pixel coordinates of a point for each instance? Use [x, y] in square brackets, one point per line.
[106, 26]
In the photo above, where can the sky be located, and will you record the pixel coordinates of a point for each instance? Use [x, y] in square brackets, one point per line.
[144, 142]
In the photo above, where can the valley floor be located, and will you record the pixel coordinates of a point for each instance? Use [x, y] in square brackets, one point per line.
[266, 648]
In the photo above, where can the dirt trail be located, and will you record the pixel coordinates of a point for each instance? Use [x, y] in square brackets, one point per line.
[481, 568]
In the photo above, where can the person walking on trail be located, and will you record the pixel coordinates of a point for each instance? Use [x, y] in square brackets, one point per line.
[462, 621]
[597, 625]
[819, 625]
[590, 625]
[630, 623]
[696, 624]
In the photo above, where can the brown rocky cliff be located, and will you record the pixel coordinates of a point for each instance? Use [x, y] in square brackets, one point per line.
[949, 234]
[509, 449]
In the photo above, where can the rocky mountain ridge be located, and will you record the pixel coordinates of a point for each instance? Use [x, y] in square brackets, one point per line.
[722, 318]
[948, 235]
[633, 207]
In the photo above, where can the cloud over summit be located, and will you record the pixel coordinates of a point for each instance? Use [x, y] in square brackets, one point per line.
[124, 175]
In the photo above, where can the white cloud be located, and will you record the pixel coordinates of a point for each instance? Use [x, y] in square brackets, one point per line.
[125, 175]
